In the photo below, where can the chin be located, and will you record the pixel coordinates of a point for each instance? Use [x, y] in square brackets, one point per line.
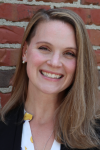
[50, 91]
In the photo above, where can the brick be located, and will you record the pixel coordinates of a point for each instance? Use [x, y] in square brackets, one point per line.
[89, 16]
[59, 1]
[11, 34]
[22, 12]
[9, 57]
[97, 52]
[95, 16]
[94, 37]
[18, 12]
[4, 98]
[6, 77]
[88, 2]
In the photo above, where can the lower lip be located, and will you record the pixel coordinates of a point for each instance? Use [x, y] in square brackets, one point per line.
[50, 79]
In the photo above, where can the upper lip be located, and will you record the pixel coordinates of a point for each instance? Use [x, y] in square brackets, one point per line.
[52, 72]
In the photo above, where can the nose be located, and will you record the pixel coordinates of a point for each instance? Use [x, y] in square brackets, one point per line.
[55, 60]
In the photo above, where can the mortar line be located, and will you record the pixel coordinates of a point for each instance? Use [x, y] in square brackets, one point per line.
[24, 24]
[11, 23]
[6, 90]
[7, 67]
[10, 45]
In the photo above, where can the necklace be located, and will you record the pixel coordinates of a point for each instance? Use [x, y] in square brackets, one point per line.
[35, 147]
[28, 116]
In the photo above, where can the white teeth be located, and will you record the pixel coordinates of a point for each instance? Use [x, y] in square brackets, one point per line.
[51, 75]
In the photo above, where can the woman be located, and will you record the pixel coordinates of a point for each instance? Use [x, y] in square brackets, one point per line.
[55, 86]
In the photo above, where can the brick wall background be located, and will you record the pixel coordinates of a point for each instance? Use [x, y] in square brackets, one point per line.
[14, 17]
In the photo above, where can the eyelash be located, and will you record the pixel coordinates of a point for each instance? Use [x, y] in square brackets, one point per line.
[66, 53]
[43, 48]
[70, 53]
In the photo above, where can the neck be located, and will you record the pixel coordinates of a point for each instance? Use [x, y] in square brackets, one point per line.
[42, 106]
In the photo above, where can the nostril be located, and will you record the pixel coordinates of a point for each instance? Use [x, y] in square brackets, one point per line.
[54, 62]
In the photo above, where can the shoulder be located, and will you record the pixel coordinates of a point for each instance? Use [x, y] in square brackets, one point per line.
[63, 147]
[97, 128]
[12, 129]
[12, 116]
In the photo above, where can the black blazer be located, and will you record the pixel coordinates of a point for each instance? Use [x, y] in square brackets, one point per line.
[10, 133]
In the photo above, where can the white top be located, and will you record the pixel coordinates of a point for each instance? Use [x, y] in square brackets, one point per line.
[27, 141]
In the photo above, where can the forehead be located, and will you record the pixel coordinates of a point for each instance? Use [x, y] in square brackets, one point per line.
[54, 31]
[56, 26]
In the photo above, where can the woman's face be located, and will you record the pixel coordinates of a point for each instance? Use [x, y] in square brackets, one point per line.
[51, 57]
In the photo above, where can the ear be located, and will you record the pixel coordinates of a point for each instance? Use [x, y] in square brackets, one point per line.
[24, 52]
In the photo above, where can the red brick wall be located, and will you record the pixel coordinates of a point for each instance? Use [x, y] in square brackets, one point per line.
[14, 16]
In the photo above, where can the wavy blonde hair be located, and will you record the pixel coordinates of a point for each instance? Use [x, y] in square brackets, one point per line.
[77, 111]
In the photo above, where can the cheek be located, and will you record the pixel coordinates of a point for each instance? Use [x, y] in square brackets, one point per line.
[71, 67]
[35, 59]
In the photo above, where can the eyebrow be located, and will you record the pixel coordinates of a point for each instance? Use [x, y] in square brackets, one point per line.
[71, 48]
[51, 45]
[43, 42]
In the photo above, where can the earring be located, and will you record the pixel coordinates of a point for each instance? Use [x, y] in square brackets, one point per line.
[23, 61]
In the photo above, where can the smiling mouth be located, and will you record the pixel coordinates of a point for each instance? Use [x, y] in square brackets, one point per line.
[51, 75]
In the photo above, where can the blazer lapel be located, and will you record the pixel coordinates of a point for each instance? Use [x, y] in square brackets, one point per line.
[10, 133]
[18, 132]
[63, 147]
